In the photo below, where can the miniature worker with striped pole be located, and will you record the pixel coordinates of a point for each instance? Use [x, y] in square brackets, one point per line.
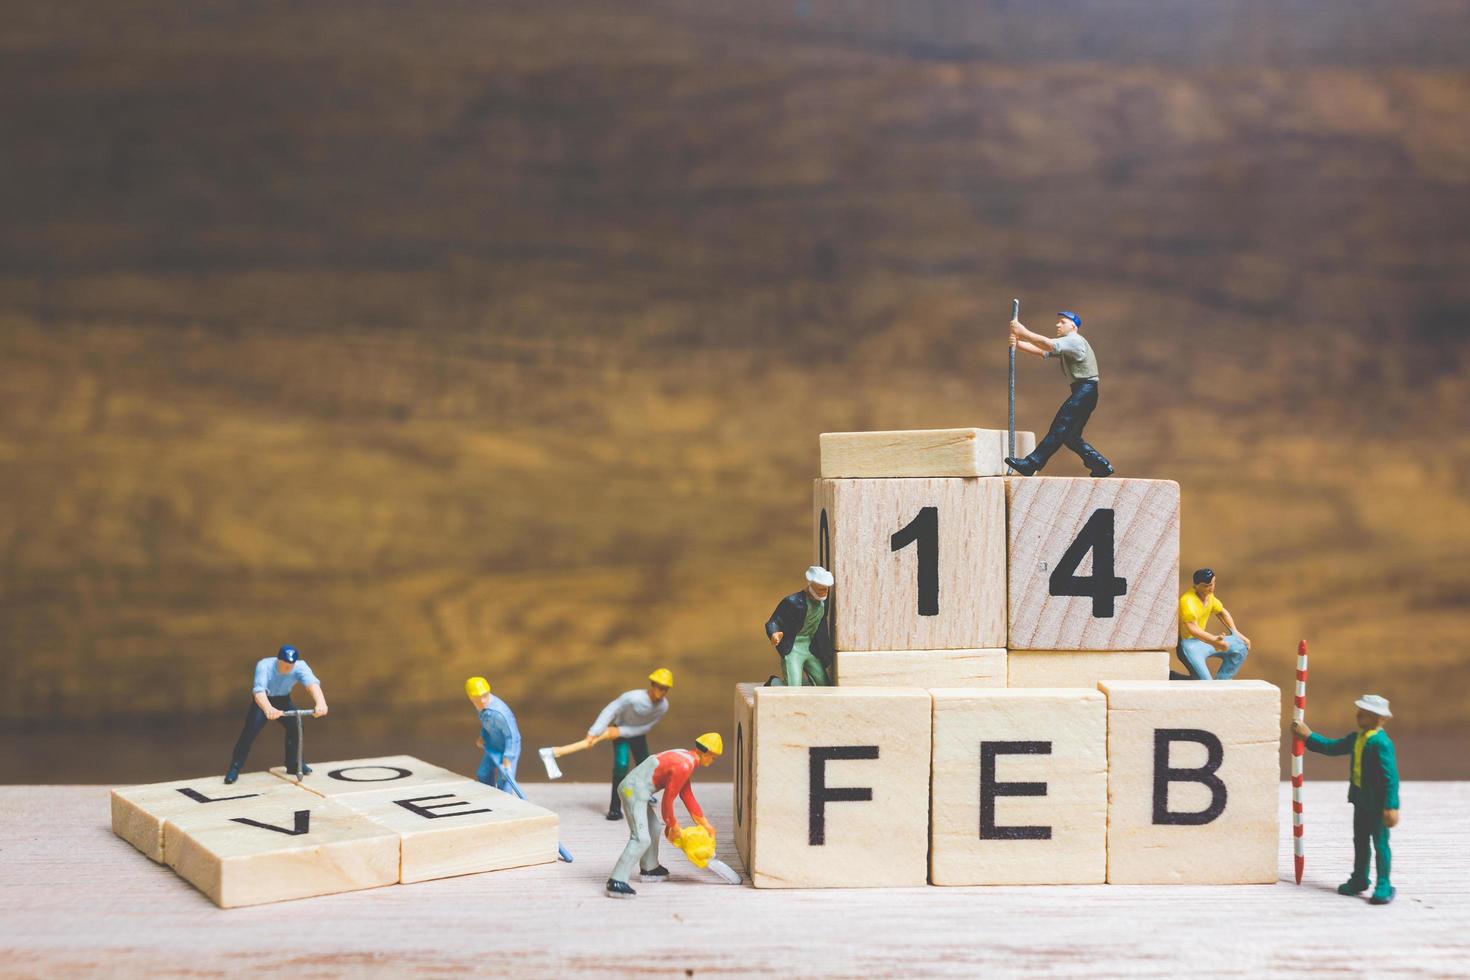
[1299, 715]
[500, 737]
[648, 819]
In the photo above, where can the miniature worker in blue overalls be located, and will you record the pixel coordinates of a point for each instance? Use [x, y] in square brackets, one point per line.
[274, 679]
[499, 735]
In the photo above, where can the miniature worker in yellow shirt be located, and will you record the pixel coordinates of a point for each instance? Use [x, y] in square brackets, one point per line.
[1196, 643]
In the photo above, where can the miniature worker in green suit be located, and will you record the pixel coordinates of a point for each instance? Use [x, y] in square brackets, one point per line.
[1373, 790]
[799, 631]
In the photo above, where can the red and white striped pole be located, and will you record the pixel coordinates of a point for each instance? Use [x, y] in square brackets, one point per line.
[1299, 713]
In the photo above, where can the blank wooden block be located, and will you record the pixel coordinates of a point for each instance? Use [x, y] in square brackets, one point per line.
[1020, 787]
[744, 777]
[459, 828]
[919, 452]
[1094, 564]
[922, 668]
[1084, 668]
[840, 794]
[918, 564]
[276, 848]
[1193, 768]
[138, 812]
[348, 776]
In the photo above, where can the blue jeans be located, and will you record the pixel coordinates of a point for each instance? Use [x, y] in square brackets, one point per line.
[1193, 653]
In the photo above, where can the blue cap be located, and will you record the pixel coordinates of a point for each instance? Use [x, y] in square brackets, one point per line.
[1076, 320]
[288, 654]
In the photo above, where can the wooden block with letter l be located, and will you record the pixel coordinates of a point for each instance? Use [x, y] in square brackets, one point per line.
[138, 812]
[919, 564]
[1094, 564]
[921, 668]
[334, 779]
[459, 828]
[919, 452]
[1084, 668]
[840, 787]
[1193, 769]
[1020, 787]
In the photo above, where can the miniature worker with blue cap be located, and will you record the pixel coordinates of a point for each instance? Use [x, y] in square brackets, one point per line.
[799, 631]
[271, 697]
[1373, 790]
[1079, 367]
[499, 735]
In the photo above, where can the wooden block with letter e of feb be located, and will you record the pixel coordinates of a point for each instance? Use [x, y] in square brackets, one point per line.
[918, 564]
[919, 452]
[334, 779]
[1094, 564]
[1020, 787]
[1192, 781]
[838, 792]
[921, 668]
[138, 812]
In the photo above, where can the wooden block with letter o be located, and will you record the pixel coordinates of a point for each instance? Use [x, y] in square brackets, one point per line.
[919, 564]
[1193, 769]
[1084, 668]
[1094, 564]
[919, 452]
[1020, 787]
[744, 778]
[840, 794]
[334, 779]
[138, 812]
[921, 668]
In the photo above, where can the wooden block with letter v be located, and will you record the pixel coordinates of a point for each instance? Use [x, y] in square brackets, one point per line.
[459, 828]
[919, 452]
[334, 779]
[921, 668]
[1193, 769]
[839, 791]
[1020, 787]
[1094, 564]
[138, 812]
[919, 564]
[1084, 668]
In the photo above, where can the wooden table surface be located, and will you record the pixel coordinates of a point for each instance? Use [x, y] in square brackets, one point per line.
[74, 900]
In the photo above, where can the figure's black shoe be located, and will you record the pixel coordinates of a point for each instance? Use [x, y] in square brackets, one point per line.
[619, 889]
[1022, 466]
[1353, 886]
[659, 873]
[615, 813]
[305, 771]
[232, 775]
[1105, 470]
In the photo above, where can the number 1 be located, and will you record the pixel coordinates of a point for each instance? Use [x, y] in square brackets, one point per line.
[923, 530]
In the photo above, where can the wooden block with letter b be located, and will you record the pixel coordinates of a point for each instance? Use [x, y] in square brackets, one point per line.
[919, 564]
[1094, 563]
[138, 812]
[1020, 787]
[1193, 769]
[919, 452]
[839, 793]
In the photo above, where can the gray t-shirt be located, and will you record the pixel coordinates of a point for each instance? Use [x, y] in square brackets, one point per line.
[634, 712]
[1075, 353]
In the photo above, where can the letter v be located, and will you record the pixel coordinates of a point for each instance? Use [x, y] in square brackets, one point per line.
[303, 824]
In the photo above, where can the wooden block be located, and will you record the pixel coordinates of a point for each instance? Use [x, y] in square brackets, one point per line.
[1193, 769]
[138, 812]
[459, 828]
[919, 452]
[1020, 787]
[840, 794]
[1084, 668]
[1094, 564]
[921, 668]
[348, 776]
[280, 847]
[918, 564]
[744, 777]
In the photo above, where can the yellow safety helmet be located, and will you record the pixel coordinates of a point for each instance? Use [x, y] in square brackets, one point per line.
[477, 687]
[711, 742]
[663, 677]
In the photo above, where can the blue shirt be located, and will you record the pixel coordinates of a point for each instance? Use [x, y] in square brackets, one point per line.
[499, 732]
[276, 684]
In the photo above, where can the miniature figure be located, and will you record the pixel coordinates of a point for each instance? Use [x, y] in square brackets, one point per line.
[1195, 644]
[274, 679]
[1079, 365]
[1373, 790]
[670, 772]
[499, 735]
[799, 631]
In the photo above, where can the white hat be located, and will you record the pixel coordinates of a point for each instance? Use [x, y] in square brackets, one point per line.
[817, 575]
[1375, 704]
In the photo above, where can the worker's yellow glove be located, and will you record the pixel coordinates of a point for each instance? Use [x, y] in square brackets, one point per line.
[698, 846]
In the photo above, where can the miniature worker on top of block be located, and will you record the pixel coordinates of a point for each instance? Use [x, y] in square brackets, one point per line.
[271, 697]
[1196, 645]
[670, 772]
[1373, 790]
[799, 631]
[1079, 365]
[500, 737]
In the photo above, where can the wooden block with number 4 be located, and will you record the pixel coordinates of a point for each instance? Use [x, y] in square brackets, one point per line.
[1093, 563]
[918, 564]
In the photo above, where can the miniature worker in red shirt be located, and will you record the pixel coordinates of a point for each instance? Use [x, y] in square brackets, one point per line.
[670, 772]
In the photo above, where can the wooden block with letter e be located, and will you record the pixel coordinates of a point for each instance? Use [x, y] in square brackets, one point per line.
[334, 779]
[1192, 780]
[840, 793]
[138, 812]
[1020, 787]
[919, 564]
[1094, 564]
[1084, 668]
[921, 668]
[459, 828]
[919, 452]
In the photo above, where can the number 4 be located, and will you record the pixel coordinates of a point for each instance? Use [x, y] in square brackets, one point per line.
[1102, 586]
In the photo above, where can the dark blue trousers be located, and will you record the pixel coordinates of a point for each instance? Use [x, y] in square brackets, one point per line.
[254, 722]
[1066, 430]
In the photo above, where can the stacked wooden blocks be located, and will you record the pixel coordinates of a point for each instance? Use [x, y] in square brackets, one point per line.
[1003, 713]
[352, 824]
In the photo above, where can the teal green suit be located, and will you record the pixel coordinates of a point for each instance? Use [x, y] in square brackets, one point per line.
[1376, 791]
